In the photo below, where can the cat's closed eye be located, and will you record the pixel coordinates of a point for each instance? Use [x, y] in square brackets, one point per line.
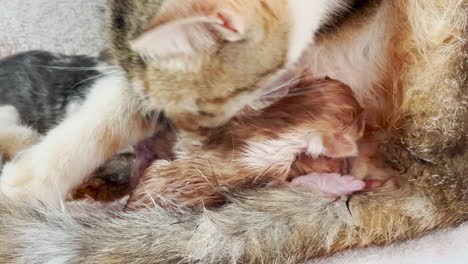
[196, 53]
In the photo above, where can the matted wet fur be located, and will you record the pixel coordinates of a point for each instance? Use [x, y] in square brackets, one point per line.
[425, 72]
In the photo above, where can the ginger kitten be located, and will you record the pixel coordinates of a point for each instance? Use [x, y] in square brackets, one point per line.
[310, 131]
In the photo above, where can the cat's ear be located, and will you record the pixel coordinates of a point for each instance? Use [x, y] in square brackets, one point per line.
[339, 146]
[190, 35]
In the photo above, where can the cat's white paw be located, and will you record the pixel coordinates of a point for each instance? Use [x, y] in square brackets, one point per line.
[22, 180]
[313, 144]
[9, 115]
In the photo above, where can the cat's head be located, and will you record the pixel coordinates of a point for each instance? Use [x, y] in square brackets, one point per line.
[201, 61]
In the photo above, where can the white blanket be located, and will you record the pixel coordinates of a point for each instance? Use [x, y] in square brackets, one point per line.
[443, 247]
[67, 26]
[75, 27]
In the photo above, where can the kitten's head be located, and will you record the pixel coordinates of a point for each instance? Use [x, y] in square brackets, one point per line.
[201, 61]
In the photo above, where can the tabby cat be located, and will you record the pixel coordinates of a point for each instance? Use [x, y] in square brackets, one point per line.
[405, 60]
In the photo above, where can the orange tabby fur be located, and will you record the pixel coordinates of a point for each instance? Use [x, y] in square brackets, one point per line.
[317, 114]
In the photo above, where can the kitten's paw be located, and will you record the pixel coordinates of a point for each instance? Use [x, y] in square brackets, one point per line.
[333, 184]
[21, 180]
[9, 115]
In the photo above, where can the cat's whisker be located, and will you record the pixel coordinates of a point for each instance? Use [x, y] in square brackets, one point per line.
[94, 77]
[286, 96]
[150, 197]
[295, 79]
[203, 176]
[287, 83]
[97, 68]
[156, 119]
[153, 121]
[304, 90]
[291, 82]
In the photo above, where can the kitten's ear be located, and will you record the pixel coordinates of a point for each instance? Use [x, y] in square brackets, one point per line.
[339, 146]
[361, 124]
[190, 35]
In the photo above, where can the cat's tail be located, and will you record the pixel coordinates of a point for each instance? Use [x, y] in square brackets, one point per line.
[88, 233]
[85, 233]
[265, 226]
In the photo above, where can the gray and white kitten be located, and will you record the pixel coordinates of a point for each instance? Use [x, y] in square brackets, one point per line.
[43, 86]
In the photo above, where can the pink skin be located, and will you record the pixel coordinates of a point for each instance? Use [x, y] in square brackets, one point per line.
[332, 184]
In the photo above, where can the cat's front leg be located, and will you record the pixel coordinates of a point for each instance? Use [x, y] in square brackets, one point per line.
[109, 120]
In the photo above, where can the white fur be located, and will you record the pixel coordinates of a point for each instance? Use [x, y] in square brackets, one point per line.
[357, 62]
[34, 238]
[9, 115]
[307, 17]
[11, 129]
[281, 152]
[49, 170]
[274, 90]
[72, 108]
[314, 144]
[10, 124]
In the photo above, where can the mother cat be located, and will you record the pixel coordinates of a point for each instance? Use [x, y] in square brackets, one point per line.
[406, 61]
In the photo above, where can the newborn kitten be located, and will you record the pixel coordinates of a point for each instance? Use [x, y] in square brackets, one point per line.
[319, 120]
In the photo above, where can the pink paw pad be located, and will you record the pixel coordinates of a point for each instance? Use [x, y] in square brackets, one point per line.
[333, 184]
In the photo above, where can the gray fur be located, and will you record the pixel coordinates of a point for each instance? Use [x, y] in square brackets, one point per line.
[41, 85]
[154, 236]
[262, 226]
